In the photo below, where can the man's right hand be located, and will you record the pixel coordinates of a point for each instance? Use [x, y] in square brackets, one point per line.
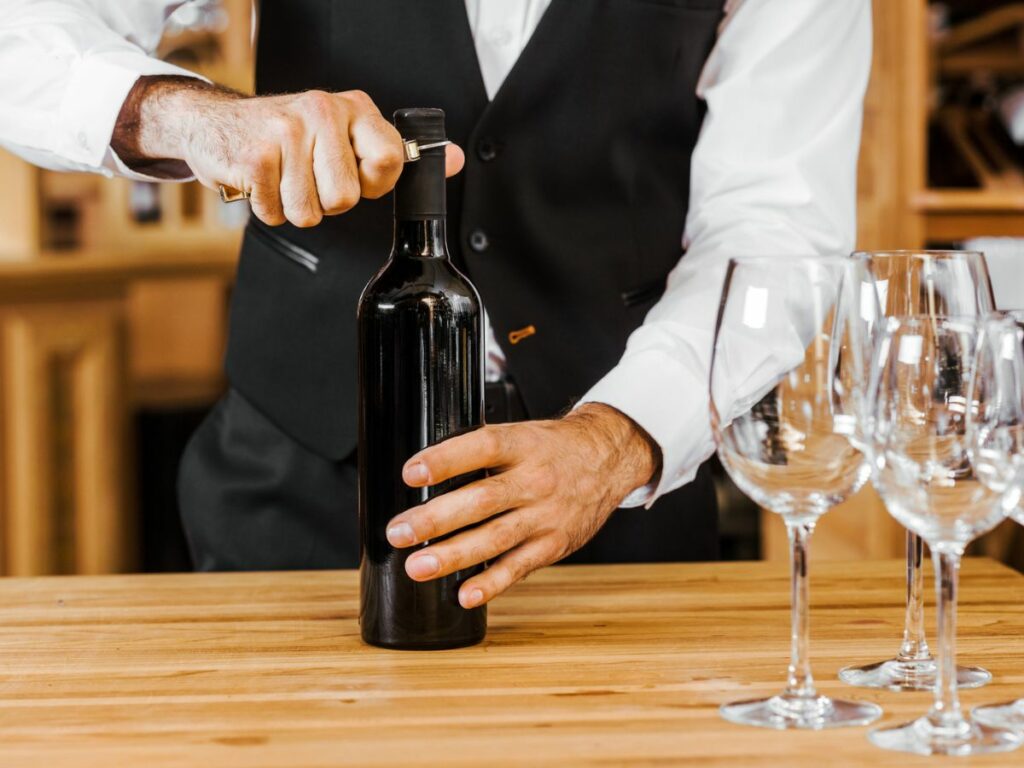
[299, 156]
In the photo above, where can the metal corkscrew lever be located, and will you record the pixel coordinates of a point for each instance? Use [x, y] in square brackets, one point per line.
[413, 148]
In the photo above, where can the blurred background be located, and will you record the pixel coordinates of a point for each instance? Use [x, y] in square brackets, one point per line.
[114, 294]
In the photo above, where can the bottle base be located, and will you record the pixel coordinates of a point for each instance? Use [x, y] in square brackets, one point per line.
[429, 645]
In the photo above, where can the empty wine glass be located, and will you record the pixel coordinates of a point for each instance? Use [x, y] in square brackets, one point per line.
[923, 398]
[796, 331]
[935, 284]
[999, 448]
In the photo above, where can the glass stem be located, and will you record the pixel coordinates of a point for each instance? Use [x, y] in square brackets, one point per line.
[914, 647]
[945, 713]
[800, 683]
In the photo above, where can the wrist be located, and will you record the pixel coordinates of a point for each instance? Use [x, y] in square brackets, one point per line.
[153, 129]
[636, 456]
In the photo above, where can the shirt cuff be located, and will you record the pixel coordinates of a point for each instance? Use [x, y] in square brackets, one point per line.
[97, 88]
[669, 401]
[113, 165]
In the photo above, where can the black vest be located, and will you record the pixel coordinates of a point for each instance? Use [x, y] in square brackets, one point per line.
[568, 216]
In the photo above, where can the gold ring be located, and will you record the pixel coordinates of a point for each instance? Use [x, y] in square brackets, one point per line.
[230, 195]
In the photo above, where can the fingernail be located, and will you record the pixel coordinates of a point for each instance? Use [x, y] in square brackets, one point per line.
[415, 474]
[401, 535]
[473, 599]
[422, 567]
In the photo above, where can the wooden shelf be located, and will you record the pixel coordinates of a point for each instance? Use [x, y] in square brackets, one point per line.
[952, 215]
[177, 393]
[82, 274]
[970, 200]
[1001, 60]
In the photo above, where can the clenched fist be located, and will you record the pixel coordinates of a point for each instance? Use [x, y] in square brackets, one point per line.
[299, 156]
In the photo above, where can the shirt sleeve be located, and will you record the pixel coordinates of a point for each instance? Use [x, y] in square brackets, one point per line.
[774, 171]
[66, 67]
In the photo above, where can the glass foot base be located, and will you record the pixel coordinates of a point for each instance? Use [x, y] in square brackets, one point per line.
[896, 675]
[1009, 716]
[785, 712]
[967, 737]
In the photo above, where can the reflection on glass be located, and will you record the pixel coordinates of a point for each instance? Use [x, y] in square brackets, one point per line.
[935, 284]
[797, 331]
[922, 407]
[998, 445]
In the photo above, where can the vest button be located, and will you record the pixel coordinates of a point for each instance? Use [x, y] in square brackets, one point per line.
[486, 150]
[478, 240]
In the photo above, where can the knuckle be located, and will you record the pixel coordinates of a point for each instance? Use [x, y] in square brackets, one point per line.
[478, 554]
[269, 217]
[509, 437]
[358, 97]
[450, 557]
[389, 159]
[318, 103]
[562, 545]
[425, 524]
[301, 212]
[349, 196]
[498, 493]
[342, 201]
[305, 220]
[374, 192]
[545, 480]
[490, 441]
[505, 537]
[498, 578]
[287, 127]
[525, 565]
[332, 200]
[260, 159]
[484, 496]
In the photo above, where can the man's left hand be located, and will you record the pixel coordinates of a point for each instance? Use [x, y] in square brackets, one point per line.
[553, 484]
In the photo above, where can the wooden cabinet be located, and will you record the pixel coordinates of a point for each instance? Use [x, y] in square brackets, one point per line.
[74, 365]
[104, 311]
[64, 496]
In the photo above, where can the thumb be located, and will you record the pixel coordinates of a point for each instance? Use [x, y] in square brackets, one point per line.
[454, 159]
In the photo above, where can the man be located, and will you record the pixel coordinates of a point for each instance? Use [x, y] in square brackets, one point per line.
[598, 138]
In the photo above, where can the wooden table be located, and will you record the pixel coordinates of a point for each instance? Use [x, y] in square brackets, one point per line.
[612, 665]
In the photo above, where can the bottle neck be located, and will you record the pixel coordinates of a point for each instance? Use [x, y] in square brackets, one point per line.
[420, 190]
[420, 208]
[421, 238]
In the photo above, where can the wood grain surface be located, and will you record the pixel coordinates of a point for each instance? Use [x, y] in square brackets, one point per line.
[595, 665]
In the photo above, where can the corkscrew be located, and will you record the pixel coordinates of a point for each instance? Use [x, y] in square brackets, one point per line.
[411, 147]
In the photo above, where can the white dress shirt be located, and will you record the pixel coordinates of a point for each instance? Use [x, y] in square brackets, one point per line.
[774, 169]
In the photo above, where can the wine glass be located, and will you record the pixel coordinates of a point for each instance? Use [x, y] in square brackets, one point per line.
[1000, 445]
[787, 384]
[923, 397]
[935, 284]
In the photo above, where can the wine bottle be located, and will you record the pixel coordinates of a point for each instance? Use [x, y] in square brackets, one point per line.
[420, 382]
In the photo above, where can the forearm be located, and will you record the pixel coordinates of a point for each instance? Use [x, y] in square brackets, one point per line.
[158, 121]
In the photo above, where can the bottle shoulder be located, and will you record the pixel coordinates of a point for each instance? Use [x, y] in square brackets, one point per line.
[414, 280]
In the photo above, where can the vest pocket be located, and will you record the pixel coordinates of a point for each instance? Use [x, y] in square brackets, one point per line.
[282, 247]
[647, 293]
